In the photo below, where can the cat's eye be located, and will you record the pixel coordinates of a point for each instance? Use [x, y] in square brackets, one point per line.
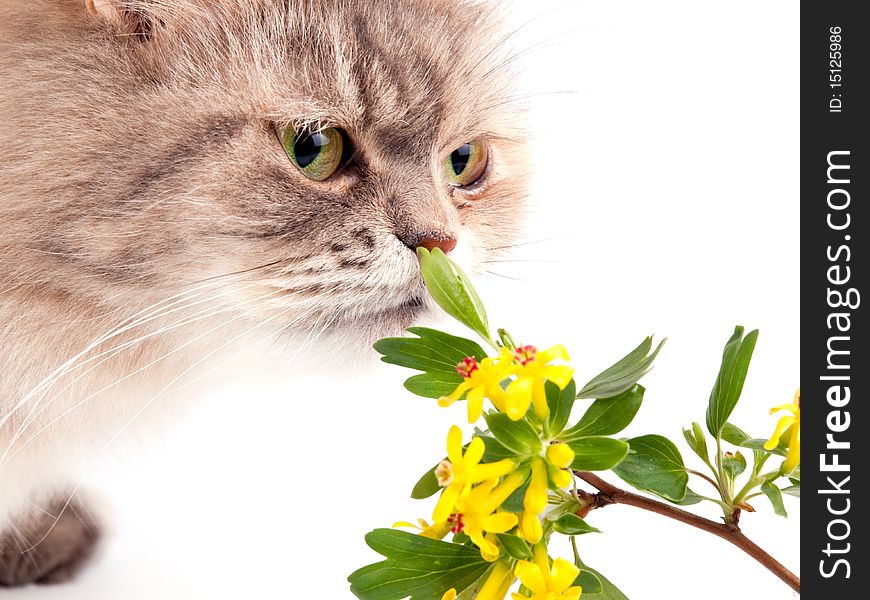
[317, 154]
[466, 165]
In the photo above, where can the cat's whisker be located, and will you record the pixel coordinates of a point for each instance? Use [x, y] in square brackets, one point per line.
[220, 365]
[113, 352]
[521, 260]
[7, 456]
[48, 383]
[505, 276]
[528, 243]
[123, 326]
[249, 270]
[524, 97]
[502, 42]
[550, 42]
[129, 422]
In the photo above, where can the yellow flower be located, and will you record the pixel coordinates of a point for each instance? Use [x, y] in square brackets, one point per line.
[546, 582]
[460, 471]
[475, 513]
[534, 502]
[482, 380]
[498, 583]
[436, 531]
[449, 595]
[532, 371]
[791, 425]
[560, 456]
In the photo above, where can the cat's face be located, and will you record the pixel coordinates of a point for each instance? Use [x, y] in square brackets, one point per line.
[298, 153]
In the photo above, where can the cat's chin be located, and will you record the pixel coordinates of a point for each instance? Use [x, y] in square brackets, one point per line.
[370, 325]
[397, 318]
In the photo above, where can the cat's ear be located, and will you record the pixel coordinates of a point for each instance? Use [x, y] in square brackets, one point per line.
[129, 17]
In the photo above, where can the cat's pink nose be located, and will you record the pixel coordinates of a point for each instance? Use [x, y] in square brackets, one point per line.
[446, 244]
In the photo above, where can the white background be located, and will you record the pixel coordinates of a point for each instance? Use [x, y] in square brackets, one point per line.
[665, 201]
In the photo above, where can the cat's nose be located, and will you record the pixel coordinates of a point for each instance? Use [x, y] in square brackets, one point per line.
[430, 241]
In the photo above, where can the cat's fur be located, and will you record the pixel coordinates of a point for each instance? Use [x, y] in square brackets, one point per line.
[149, 216]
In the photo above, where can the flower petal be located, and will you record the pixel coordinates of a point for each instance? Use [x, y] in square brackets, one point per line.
[531, 528]
[454, 395]
[475, 403]
[531, 576]
[495, 582]
[562, 575]
[499, 494]
[572, 593]
[539, 400]
[793, 456]
[492, 470]
[454, 445]
[499, 522]
[552, 353]
[449, 595]
[474, 453]
[561, 375]
[535, 500]
[519, 397]
[446, 503]
[783, 424]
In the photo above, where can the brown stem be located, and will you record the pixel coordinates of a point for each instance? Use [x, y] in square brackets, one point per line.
[703, 476]
[610, 494]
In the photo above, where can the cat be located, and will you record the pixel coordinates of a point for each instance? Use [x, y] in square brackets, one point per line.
[181, 179]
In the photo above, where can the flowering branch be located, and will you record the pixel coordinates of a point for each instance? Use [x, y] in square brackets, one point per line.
[503, 495]
[610, 494]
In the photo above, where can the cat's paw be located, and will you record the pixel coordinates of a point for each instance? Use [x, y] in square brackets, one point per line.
[47, 546]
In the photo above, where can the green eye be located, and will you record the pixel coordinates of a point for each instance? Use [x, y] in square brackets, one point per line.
[317, 154]
[466, 165]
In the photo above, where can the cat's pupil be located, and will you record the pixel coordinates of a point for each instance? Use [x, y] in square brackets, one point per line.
[308, 147]
[459, 158]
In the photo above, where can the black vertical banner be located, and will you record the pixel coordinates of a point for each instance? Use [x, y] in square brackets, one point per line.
[835, 361]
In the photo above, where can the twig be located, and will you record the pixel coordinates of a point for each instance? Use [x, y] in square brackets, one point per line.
[610, 494]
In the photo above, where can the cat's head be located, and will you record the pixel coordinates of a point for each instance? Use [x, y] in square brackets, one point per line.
[296, 152]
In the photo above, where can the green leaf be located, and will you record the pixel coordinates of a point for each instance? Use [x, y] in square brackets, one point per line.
[560, 402]
[624, 374]
[654, 465]
[597, 453]
[775, 496]
[607, 415]
[690, 498]
[608, 590]
[792, 490]
[426, 486]
[733, 434]
[516, 547]
[589, 582]
[729, 383]
[432, 351]
[416, 567]
[568, 506]
[733, 464]
[452, 290]
[518, 436]
[494, 450]
[697, 441]
[433, 385]
[514, 502]
[758, 444]
[571, 524]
